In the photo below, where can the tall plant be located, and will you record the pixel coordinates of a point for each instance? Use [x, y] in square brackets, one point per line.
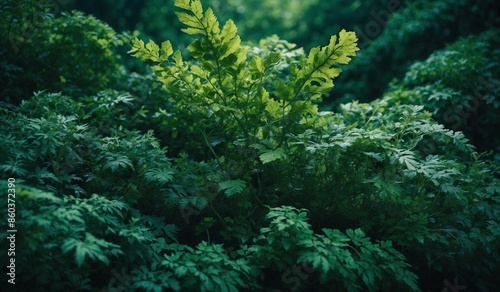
[238, 93]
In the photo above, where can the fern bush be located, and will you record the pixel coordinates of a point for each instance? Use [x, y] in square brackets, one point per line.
[268, 113]
[238, 108]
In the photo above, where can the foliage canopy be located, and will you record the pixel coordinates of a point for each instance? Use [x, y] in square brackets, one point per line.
[214, 169]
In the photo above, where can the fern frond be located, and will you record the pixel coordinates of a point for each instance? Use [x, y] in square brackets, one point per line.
[318, 69]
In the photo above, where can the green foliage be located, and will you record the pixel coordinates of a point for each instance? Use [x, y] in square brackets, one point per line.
[459, 85]
[67, 153]
[260, 190]
[303, 151]
[74, 53]
[59, 226]
[232, 187]
[224, 96]
[372, 159]
[412, 33]
[208, 268]
[336, 259]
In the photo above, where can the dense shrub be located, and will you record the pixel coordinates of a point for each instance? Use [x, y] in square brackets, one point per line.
[315, 151]
[410, 34]
[74, 53]
[263, 191]
[459, 85]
